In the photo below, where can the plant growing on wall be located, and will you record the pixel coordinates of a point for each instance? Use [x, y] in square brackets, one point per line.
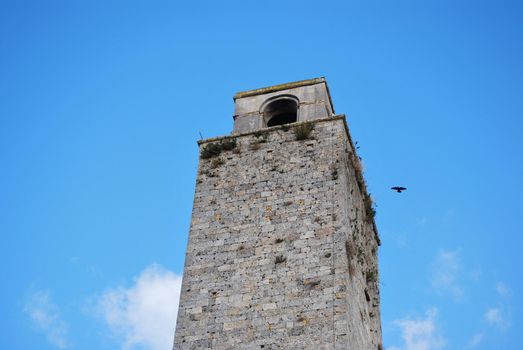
[303, 131]
[214, 149]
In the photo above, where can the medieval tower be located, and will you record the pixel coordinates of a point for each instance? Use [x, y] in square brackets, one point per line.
[282, 250]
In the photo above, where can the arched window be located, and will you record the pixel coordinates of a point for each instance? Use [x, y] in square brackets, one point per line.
[281, 110]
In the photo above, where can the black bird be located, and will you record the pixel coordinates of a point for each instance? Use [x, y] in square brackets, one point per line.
[398, 189]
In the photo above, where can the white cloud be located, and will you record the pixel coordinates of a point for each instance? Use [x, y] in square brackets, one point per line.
[419, 334]
[45, 315]
[496, 317]
[475, 340]
[144, 315]
[503, 291]
[500, 316]
[446, 269]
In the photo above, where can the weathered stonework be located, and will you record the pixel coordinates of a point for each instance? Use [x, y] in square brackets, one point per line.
[282, 250]
[312, 96]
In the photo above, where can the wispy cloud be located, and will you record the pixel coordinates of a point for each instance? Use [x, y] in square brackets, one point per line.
[144, 315]
[500, 315]
[421, 221]
[444, 275]
[503, 291]
[45, 316]
[475, 341]
[497, 317]
[401, 240]
[419, 334]
[476, 273]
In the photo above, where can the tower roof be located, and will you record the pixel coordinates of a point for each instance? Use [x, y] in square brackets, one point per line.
[280, 87]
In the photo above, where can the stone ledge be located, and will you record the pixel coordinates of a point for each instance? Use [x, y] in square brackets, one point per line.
[279, 87]
[272, 128]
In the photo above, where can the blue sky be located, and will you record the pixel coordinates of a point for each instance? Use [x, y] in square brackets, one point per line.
[101, 105]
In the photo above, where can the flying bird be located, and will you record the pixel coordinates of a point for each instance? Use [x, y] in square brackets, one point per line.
[398, 189]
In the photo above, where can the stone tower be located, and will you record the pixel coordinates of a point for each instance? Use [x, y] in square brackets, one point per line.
[282, 250]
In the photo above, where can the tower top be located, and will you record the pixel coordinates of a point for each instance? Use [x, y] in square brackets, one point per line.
[282, 104]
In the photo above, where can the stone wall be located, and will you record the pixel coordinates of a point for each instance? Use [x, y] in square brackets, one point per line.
[282, 250]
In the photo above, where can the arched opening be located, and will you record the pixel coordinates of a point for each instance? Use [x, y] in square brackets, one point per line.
[281, 111]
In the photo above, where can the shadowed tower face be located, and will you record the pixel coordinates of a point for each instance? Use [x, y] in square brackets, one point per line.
[282, 250]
